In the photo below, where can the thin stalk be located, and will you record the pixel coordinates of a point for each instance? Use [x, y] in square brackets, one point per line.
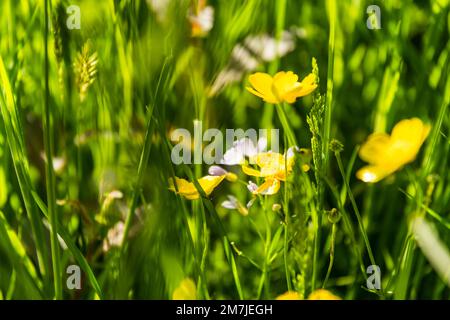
[316, 246]
[49, 172]
[406, 264]
[280, 14]
[348, 226]
[143, 160]
[72, 246]
[285, 123]
[286, 223]
[204, 254]
[226, 241]
[436, 132]
[355, 209]
[197, 267]
[330, 83]
[330, 266]
[285, 256]
[263, 278]
[326, 133]
[145, 155]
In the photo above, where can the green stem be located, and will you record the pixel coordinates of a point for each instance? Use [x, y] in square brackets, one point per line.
[286, 268]
[427, 163]
[143, 160]
[326, 135]
[280, 13]
[330, 266]
[145, 155]
[348, 227]
[286, 223]
[326, 132]
[330, 83]
[50, 174]
[317, 236]
[226, 241]
[355, 209]
[285, 123]
[266, 252]
[204, 255]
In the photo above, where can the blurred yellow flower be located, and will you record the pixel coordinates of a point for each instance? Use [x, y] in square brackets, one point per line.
[189, 191]
[186, 290]
[288, 295]
[319, 294]
[283, 87]
[322, 294]
[388, 153]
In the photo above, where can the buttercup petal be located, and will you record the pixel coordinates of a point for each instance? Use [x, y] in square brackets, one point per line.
[285, 82]
[262, 86]
[185, 188]
[269, 187]
[289, 295]
[209, 183]
[262, 82]
[250, 171]
[187, 290]
[283, 87]
[372, 174]
[373, 150]
[322, 294]
[188, 189]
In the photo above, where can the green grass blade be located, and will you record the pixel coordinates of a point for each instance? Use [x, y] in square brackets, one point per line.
[14, 133]
[84, 265]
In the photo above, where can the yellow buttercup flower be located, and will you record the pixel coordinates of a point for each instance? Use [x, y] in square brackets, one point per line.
[189, 191]
[272, 164]
[269, 187]
[273, 167]
[283, 87]
[388, 153]
[319, 294]
[288, 295]
[322, 294]
[186, 290]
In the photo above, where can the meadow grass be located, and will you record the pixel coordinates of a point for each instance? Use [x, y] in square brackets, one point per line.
[85, 150]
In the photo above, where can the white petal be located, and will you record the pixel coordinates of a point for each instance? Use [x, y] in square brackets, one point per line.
[206, 19]
[252, 187]
[232, 157]
[217, 171]
[237, 153]
[250, 203]
[262, 144]
[241, 54]
[229, 205]
[246, 147]
[291, 152]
